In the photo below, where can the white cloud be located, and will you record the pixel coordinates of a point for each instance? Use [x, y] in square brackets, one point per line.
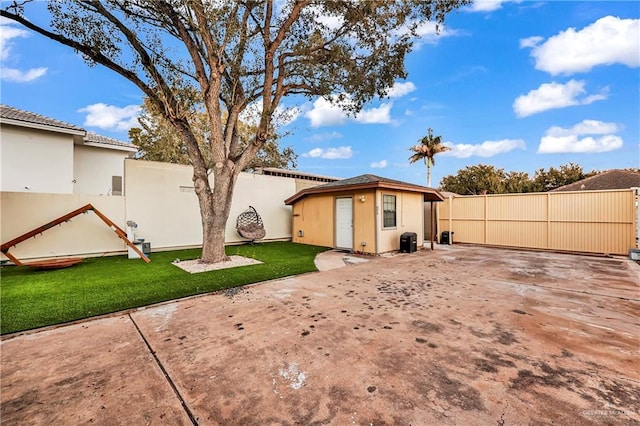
[485, 5]
[378, 164]
[609, 40]
[430, 33]
[381, 114]
[7, 33]
[110, 117]
[530, 41]
[281, 117]
[340, 153]
[322, 137]
[400, 89]
[325, 113]
[585, 127]
[485, 149]
[559, 140]
[555, 95]
[18, 76]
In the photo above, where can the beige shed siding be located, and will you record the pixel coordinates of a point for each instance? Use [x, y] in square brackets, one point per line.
[409, 207]
[364, 223]
[585, 221]
[314, 216]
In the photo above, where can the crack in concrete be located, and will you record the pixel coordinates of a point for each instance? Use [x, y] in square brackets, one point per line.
[173, 386]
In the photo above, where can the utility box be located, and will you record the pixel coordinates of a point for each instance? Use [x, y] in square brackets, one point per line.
[408, 242]
[146, 249]
[446, 237]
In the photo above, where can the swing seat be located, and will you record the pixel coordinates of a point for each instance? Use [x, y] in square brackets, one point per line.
[249, 225]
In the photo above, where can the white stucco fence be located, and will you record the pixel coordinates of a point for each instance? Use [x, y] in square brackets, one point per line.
[159, 197]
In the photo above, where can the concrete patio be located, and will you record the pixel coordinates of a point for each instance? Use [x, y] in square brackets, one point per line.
[461, 335]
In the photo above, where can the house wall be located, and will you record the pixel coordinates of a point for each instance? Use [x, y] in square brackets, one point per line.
[39, 160]
[93, 168]
[314, 215]
[585, 221]
[162, 201]
[409, 211]
[85, 234]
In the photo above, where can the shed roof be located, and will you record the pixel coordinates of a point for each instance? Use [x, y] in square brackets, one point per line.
[610, 179]
[366, 181]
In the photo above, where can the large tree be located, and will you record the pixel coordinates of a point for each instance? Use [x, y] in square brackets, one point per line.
[546, 180]
[426, 150]
[485, 179]
[234, 54]
[157, 141]
[475, 180]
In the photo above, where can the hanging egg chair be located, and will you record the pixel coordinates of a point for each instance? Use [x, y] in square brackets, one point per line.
[249, 225]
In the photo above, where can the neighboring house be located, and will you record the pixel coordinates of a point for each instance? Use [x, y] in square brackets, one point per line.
[366, 214]
[610, 179]
[44, 155]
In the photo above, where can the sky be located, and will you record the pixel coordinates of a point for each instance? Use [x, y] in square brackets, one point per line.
[520, 85]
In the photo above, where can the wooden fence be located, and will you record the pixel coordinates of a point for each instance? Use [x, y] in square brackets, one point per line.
[585, 221]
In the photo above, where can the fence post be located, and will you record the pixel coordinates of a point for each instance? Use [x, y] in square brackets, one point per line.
[450, 219]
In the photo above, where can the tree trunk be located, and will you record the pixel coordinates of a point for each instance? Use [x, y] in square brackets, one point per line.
[214, 210]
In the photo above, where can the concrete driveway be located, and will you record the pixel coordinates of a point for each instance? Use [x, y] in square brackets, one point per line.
[463, 335]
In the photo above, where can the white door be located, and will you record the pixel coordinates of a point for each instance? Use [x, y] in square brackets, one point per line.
[344, 223]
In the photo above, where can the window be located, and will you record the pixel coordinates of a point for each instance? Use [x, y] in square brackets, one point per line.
[388, 211]
[116, 185]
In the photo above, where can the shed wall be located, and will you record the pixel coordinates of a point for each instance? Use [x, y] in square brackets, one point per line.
[409, 208]
[313, 220]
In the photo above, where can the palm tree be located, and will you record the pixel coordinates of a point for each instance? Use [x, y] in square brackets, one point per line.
[427, 149]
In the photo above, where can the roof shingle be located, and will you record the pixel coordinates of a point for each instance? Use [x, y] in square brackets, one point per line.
[12, 113]
[610, 179]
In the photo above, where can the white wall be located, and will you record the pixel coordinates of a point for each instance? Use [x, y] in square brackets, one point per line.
[86, 234]
[159, 197]
[39, 160]
[161, 200]
[93, 168]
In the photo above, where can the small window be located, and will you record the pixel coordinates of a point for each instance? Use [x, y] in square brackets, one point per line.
[116, 185]
[388, 211]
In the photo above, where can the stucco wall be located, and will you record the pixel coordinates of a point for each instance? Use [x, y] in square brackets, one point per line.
[93, 168]
[314, 216]
[39, 160]
[85, 234]
[364, 221]
[409, 217]
[161, 200]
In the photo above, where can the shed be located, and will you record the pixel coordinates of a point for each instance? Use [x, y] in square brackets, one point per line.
[365, 214]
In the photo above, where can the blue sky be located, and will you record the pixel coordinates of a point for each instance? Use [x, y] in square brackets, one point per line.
[520, 85]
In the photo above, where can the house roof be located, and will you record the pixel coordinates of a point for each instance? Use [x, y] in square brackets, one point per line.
[610, 179]
[366, 181]
[94, 138]
[18, 117]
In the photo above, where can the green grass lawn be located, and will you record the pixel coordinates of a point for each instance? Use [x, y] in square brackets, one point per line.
[30, 298]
